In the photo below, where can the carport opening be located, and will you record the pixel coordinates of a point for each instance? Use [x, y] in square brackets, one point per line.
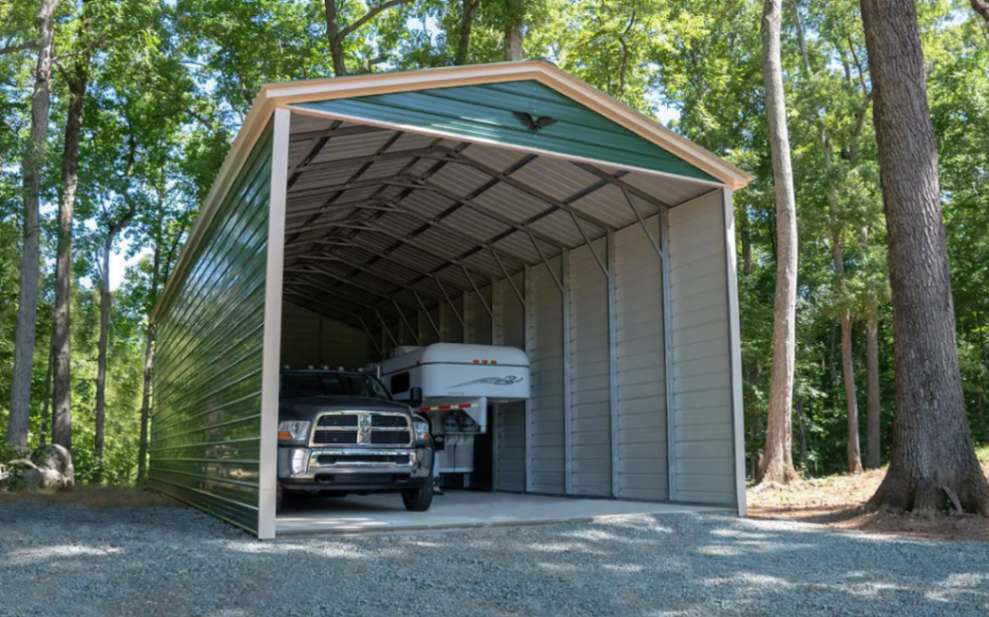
[397, 237]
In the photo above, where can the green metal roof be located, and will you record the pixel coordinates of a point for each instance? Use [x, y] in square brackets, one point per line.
[486, 112]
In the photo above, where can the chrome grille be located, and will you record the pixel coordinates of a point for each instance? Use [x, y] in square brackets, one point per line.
[351, 428]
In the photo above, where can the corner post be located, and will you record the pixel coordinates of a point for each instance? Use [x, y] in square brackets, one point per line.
[267, 463]
[735, 343]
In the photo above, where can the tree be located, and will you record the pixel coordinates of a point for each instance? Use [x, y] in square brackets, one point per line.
[514, 40]
[34, 157]
[933, 461]
[337, 33]
[468, 9]
[78, 82]
[777, 462]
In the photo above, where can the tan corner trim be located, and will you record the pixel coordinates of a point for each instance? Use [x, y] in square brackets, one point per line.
[272, 332]
[735, 344]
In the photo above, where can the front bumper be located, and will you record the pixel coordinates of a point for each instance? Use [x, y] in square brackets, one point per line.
[353, 469]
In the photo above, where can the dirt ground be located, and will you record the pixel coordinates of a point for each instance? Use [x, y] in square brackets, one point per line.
[838, 501]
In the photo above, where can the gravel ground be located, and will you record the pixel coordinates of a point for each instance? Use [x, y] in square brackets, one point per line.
[67, 560]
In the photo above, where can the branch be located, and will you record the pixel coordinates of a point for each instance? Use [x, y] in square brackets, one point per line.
[366, 17]
[13, 49]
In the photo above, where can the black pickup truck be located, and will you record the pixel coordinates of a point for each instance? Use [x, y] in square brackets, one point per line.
[340, 432]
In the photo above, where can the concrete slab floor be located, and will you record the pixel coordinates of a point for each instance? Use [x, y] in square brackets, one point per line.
[455, 509]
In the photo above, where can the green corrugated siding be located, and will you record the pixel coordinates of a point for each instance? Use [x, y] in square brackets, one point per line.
[207, 413]
[486, 112]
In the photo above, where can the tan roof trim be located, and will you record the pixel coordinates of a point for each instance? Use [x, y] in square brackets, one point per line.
[546, 73]
[542, 71]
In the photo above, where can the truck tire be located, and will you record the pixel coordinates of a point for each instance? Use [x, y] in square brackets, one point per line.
[418, 500]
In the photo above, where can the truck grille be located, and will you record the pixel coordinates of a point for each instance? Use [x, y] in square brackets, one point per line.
[350, 428]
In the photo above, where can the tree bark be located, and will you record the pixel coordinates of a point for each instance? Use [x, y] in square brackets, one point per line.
[777, 461]
[142, 449]
[847, 356]
[872, 450]
[932, 455]
[334, 38]
[62, 396]
[101, 359]
[514, 38]
[27, 308]
[468, 8]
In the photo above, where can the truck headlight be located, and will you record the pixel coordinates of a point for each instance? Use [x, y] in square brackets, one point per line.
[421, 426]
[293, 430]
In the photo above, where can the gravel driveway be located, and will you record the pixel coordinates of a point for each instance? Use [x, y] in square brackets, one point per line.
[65, 560]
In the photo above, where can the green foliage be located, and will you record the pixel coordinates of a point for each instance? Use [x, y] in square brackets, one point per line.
[171, 80]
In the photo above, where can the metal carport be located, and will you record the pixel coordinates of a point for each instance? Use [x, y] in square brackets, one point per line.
[506, 203]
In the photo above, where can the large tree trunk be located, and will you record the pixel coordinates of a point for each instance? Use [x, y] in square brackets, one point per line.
[101, 358]
[847, 354]
[468, 8]
[27, 308]
[514, 21]
[932, 459]
[872, 451]
[62, 397]
[777, 461]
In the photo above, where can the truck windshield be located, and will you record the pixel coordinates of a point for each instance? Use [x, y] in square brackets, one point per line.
[331, 384]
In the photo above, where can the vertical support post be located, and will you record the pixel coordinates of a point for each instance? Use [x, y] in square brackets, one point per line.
[468, 312]
[735, 344]
[272, 332]
[566, 297]
[664, 235]
[614, 422]
[497, 338]
[530, 349]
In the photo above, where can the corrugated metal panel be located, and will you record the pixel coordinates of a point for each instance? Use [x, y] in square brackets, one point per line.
[545, 436]
[478, 319]
[590, 422]
[486, 112]
[701, 372]
[206, 423]
[509, 419]
[642, 453]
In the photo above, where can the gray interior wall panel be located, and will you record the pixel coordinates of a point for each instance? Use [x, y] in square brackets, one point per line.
[590, 420]
[479, 324]
[544, 332]
[509, 422]
[702, 373]
[642, 453]
[205, 426]
[309, 338]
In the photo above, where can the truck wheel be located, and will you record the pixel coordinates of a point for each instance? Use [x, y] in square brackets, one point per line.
[418, 500]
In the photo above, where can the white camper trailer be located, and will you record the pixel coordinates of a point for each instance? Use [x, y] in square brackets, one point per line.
[458, 382]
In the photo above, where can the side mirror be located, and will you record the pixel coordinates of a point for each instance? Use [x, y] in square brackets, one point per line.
[415, 397]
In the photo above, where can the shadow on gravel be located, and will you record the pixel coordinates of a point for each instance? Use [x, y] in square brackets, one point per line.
[163, 561]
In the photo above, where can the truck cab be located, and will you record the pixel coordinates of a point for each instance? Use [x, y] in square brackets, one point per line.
[341, 432]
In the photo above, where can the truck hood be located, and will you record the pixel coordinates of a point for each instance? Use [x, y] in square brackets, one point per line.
[306, 408]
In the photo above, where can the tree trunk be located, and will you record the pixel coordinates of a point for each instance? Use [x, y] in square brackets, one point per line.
[932, 455]
[62, 397]
[142, 450]
[469, 8]
[334, 38]
[872, 453]
[149, 340]
[847, 361]
[514, 21]
[45, 405]
[777, 462]
[101, 359]
[27, 308]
